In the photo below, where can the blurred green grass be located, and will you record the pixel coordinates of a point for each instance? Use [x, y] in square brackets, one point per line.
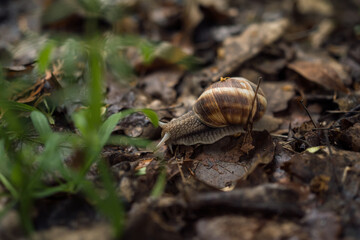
[30, 150]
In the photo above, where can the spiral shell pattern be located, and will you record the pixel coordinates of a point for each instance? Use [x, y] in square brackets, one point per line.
[229, 102]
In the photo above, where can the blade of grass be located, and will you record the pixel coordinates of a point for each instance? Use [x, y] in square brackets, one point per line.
[9, 186]
[44, 56]
[159, 186]
[95, 84]
[51, 191]
[41, 124]
[154, 119]
[16, 106]
[108, 126]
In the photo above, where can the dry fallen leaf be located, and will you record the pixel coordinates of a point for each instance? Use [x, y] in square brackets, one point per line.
[231, 158]
[235, 51]
[161, 85]
[37, 92]
[320, 73]
[277, 95]
[240, 48]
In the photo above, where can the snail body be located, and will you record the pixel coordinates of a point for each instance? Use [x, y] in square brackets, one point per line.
[223, 109]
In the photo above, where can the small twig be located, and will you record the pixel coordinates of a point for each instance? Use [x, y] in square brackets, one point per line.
[191, 172]
[288, 149]
[249, 123]
[308, 113]
[253, 102]
[180, 170]
[279, 136]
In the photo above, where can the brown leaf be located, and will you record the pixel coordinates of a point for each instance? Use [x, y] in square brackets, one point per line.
[277, 95]
[161, 85]
[42, 88]
[227, 160]
[320, 73]
[235, 51]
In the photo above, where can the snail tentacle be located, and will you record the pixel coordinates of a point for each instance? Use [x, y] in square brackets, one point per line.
[162, 124]
[163, 140]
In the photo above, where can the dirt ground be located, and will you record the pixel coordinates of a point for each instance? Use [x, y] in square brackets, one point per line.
[294, 175]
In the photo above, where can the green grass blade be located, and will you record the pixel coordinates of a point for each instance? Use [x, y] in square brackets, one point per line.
[154, 119]
[41, 124]
[108, 126]
[11, 105]
[159, 187]
[9, 186]
[51, 191]
[95, 83]
[44, 56]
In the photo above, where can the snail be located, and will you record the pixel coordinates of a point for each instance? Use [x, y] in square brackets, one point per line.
[223, 109]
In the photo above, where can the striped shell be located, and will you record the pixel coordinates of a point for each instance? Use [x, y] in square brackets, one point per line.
[229, 102]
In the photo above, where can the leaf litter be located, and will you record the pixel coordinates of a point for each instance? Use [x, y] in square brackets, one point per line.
[289, 179]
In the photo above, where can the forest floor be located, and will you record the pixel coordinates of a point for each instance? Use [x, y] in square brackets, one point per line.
[71, 65]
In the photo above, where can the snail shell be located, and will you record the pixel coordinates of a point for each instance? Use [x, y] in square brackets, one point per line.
[224, 108]
[229, 102]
